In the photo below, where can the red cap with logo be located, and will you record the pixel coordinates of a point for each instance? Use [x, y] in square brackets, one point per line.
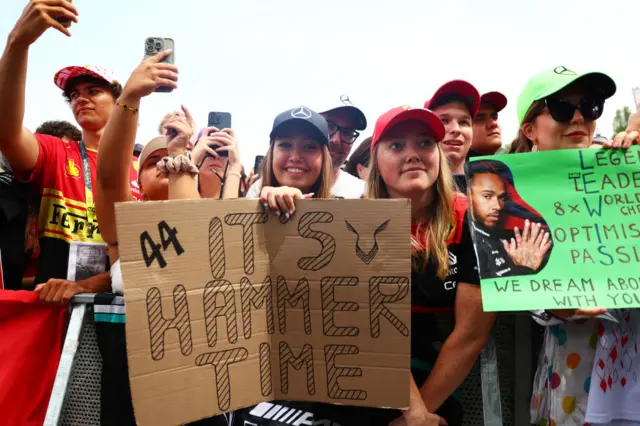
[497, 99]
[406, 113]
[67, 74]
[463, 89]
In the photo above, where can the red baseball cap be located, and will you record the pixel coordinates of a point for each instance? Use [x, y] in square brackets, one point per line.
[63, 76]
[465, 90]
[497, 99]
[406, 113]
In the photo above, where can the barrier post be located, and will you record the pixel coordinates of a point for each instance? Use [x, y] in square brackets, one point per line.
[79, 309]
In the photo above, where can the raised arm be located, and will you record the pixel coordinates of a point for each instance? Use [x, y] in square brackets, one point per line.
[116, 146]
[17, 144]
[183, 184]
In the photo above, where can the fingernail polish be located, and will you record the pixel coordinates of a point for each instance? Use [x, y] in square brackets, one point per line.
[287, 216]
[266, 205]
[277, 212]
[290, 212]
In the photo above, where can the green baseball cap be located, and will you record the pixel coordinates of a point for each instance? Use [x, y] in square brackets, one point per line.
[551, 81]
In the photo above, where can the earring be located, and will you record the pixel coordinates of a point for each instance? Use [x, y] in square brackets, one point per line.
[535, 148]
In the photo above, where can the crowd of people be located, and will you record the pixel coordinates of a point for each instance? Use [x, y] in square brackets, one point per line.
[58, 187]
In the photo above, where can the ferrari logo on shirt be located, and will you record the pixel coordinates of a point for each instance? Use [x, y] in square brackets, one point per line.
[71, 170]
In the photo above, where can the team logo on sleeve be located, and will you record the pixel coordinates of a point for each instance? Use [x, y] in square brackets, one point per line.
[71, 169]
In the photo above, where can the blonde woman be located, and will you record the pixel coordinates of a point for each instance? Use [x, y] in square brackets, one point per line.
[407, 162]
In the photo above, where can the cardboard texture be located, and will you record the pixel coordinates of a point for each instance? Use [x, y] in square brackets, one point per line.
[228, 307]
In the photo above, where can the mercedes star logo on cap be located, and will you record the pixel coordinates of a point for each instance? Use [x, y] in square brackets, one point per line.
[564, 71]
[301, 112]
[345, 100]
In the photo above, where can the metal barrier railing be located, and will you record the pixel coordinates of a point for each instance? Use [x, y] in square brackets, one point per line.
[75, 398]
[80, 312]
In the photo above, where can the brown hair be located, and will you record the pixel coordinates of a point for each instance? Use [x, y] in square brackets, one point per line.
[60, 129]
[522, 143]
[361, 155]
[437, 227]
[115, 88]
[321, 188]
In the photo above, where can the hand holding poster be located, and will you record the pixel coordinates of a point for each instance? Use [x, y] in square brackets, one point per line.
[228, 307]
[557, 229]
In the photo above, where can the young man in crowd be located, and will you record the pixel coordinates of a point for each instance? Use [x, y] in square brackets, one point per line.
[487, 134]
[456, 103]
[73, 255]
[344, 123]
[60, 129]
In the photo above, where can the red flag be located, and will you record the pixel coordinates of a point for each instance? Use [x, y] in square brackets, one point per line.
[30, 346]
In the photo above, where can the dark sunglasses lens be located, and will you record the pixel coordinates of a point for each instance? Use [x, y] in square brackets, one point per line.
[591, 108]
[561, 111]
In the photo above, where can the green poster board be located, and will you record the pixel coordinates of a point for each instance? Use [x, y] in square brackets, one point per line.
[588, 201]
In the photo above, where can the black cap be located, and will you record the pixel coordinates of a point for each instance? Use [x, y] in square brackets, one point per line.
[304, 117]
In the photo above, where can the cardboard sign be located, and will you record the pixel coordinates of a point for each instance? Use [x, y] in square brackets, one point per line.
[588, 203]
[228, 307]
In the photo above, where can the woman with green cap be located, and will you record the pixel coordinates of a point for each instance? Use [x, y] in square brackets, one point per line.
[558, 109]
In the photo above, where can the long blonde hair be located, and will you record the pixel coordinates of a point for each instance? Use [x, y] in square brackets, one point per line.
[436, 229]
[322, 186]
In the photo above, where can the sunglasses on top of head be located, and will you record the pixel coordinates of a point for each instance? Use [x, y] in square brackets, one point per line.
[590, 107]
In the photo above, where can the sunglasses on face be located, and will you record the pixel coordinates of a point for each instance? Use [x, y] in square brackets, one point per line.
[590, 107]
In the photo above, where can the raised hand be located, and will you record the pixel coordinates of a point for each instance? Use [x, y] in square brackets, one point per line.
[40, 15]
[179, 132]
[150, 75]
[226, 139]
[529, 248]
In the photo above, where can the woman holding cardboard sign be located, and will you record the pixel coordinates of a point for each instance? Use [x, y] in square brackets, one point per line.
[575, 383]
[407, 162]
[298, 164]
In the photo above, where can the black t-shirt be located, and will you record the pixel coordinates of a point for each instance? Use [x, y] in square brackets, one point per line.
[14, 206]
[433, 301]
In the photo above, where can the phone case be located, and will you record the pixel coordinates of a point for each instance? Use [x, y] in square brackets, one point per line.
[221, 120]
[154, 45]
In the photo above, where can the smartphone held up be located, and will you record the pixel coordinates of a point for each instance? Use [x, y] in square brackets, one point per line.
[155, 45]
[221, 121]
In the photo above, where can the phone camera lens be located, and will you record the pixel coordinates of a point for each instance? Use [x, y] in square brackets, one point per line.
[158, 46]
[149, 42]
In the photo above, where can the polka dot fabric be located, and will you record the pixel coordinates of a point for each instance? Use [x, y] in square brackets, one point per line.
[562, 381]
